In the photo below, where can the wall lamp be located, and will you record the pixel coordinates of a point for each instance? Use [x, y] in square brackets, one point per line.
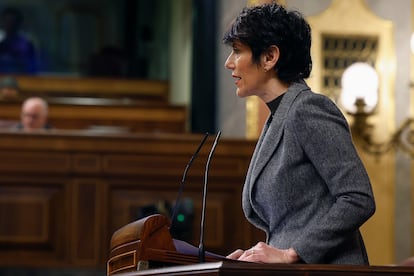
[359, 98]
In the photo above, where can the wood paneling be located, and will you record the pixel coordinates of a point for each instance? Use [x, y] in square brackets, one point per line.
[64, 194]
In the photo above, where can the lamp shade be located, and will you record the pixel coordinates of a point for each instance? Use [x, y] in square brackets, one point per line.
[412, 43]
[359, 83]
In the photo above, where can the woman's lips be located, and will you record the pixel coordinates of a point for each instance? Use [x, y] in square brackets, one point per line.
[236, 79]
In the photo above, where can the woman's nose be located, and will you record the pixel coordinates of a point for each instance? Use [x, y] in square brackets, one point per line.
[229, 64]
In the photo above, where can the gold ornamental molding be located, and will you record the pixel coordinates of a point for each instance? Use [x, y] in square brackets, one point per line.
[352, 20]
[345, 20]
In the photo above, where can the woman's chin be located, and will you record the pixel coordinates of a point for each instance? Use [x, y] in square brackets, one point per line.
[240, 93]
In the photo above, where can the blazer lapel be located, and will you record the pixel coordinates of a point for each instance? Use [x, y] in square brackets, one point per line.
[271, 136]
[257, 148]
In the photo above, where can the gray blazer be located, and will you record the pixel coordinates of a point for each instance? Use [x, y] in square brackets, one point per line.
[306, 186]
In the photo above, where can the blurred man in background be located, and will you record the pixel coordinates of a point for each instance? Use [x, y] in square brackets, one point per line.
[34, 114]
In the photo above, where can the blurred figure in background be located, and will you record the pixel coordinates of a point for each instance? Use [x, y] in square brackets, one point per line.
[34, 114]
[17, 53]
[9, 88]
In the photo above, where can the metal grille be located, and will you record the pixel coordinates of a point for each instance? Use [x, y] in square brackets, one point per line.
[339, 52]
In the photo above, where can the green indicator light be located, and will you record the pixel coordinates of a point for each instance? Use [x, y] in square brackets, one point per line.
[180, 218]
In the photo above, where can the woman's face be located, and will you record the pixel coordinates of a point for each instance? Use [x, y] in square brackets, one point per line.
[248, 76]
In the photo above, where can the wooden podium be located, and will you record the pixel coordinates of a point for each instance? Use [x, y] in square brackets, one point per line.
[247, 269]
[145, 247]
[147, 243]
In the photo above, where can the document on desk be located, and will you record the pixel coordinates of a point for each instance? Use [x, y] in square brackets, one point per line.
[189, 249]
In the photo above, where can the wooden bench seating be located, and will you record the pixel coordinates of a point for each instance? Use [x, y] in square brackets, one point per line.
[99, 104]
[105, 115]
[52, 86]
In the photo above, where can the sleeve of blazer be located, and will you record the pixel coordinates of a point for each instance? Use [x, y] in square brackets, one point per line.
[324, 135]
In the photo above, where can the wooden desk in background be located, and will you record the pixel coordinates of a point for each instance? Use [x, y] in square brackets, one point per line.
[63, 194]
[104, 114]
[122, 105]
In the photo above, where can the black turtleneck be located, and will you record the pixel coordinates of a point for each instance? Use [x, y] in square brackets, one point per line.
[273, 105]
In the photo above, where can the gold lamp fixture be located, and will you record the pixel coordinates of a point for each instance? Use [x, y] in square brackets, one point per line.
[359, 97]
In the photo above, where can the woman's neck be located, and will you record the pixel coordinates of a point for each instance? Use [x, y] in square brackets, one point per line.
[274, 89]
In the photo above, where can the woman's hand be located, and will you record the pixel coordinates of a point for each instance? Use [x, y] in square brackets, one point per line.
[263, 253]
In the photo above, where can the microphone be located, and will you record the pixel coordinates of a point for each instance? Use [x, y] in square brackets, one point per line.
[201, 250]
[187, 167]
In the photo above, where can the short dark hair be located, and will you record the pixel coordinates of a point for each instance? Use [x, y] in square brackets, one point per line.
[260, 27]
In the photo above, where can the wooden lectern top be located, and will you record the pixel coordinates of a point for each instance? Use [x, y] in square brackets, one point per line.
[229, 268]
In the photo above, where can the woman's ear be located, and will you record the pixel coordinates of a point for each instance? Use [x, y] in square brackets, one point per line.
[270, 57]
